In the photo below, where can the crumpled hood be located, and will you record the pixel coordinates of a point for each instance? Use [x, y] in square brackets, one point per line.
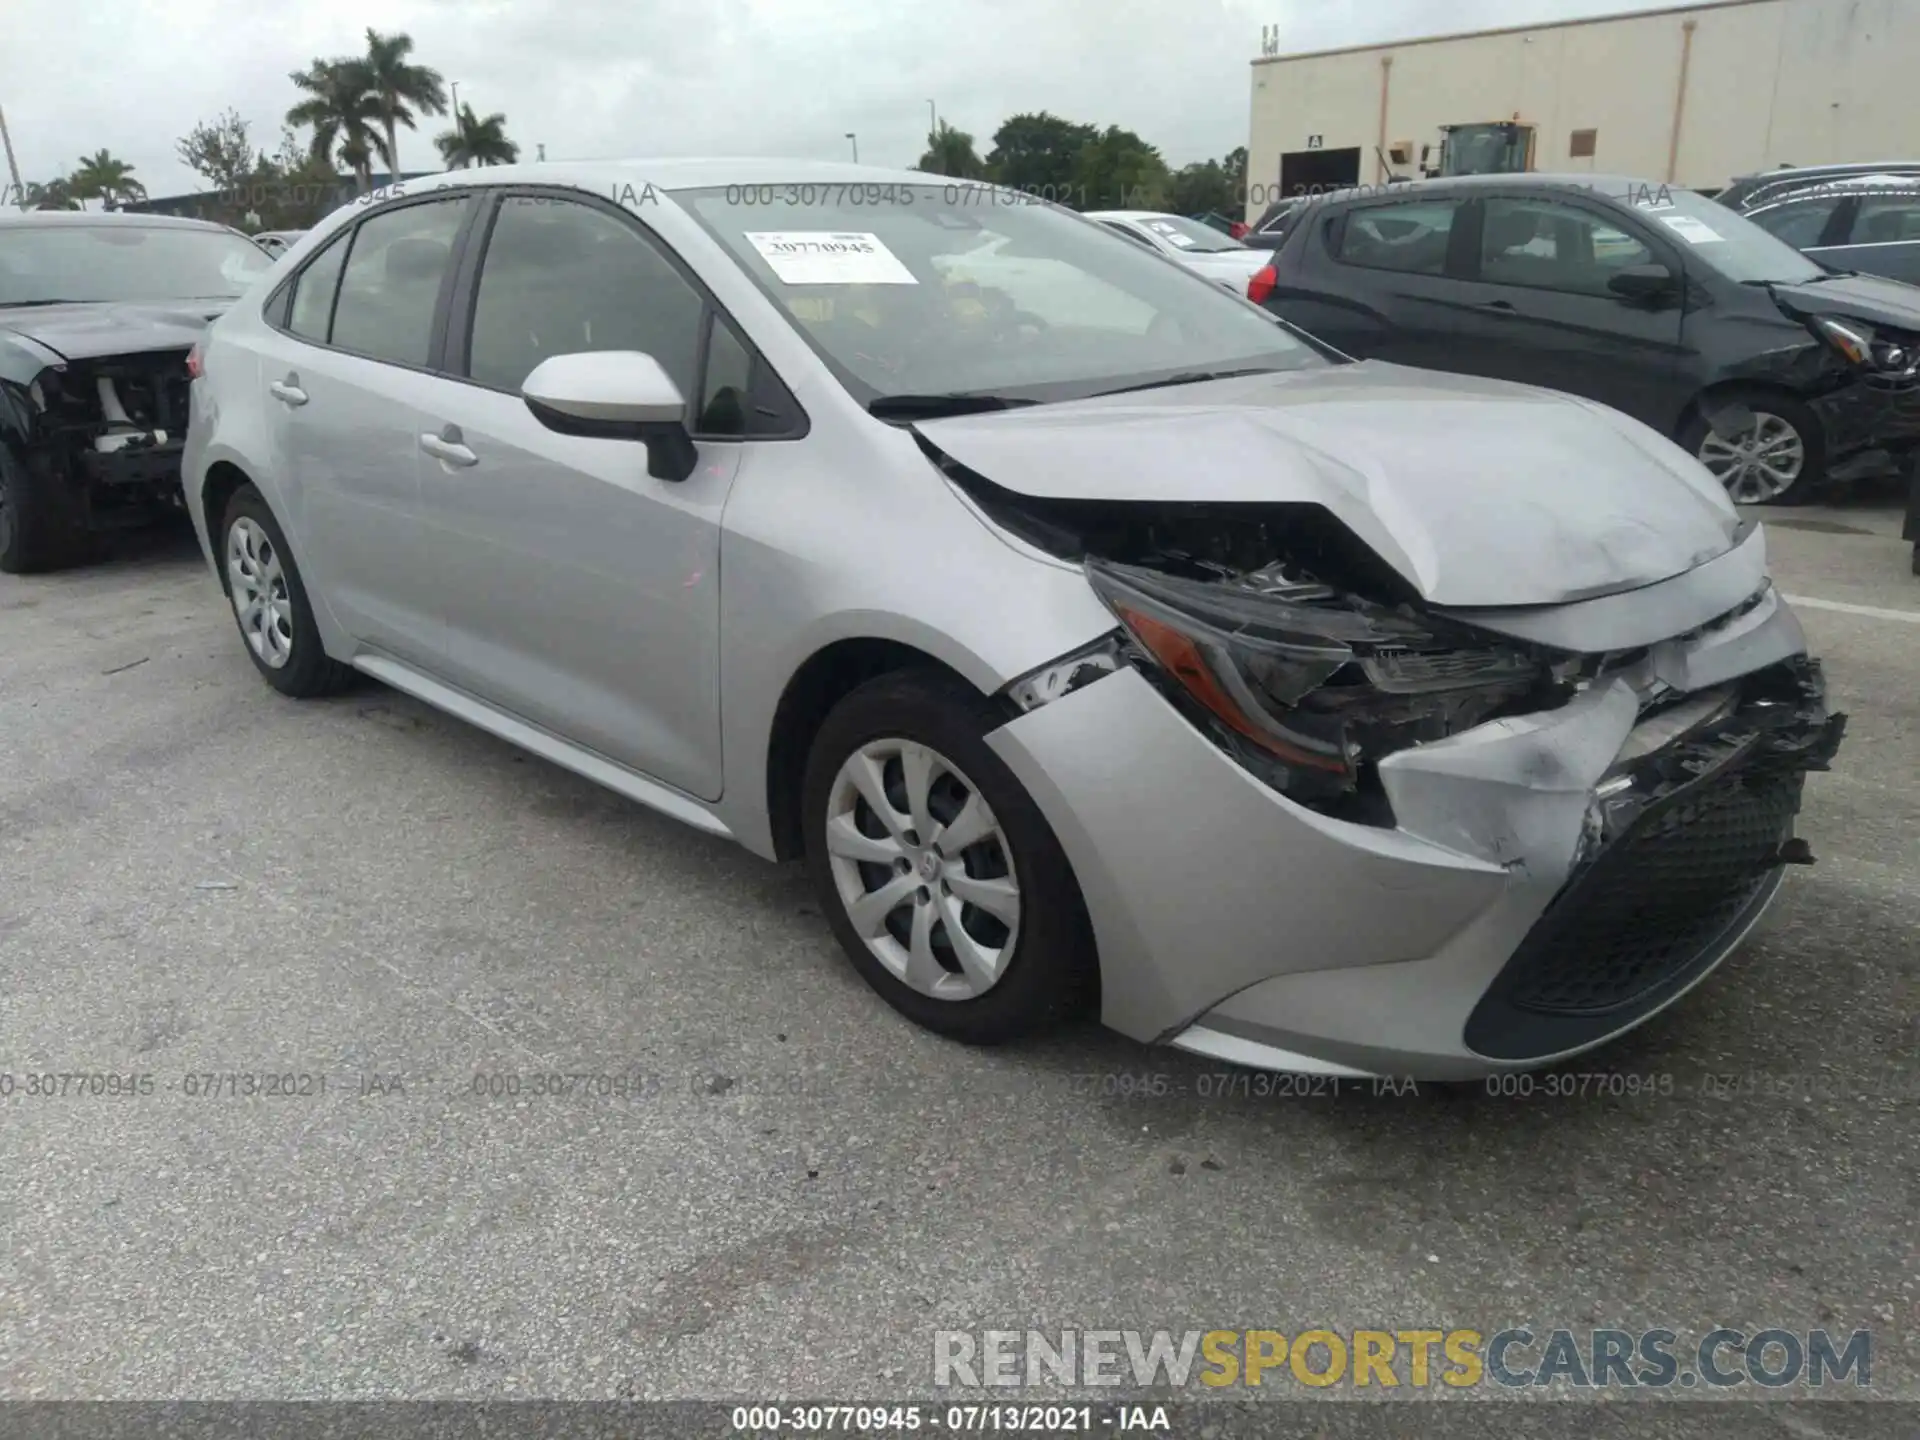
[1479, 492]
[1872, 298]
[122, 327]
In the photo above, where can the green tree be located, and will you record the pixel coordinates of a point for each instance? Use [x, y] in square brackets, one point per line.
[400, 88]
[474, 141]
[219, 151]
[106, 179]
[1038, 153]
[1199, 188]
[55, 194]
[1119, 171]
[344, 115]
[951, 152]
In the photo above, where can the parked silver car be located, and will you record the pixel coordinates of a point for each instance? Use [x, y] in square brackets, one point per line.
[1149, 658]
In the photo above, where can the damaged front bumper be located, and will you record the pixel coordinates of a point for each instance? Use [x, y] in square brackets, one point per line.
[1549, 880]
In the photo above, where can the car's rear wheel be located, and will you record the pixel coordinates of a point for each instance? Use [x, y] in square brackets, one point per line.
[1777, 459]
[940, 876]
[39, 527]
[270, 602]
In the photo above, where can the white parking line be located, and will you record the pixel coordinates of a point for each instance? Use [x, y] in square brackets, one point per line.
[1875, 612]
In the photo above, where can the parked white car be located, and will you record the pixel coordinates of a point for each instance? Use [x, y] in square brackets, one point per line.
[1199, 247]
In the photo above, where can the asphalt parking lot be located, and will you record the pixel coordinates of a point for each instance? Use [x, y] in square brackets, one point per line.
[199, 878]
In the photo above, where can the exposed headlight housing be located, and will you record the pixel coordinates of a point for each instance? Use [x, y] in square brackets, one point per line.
[1884, 356]
[1307, 686]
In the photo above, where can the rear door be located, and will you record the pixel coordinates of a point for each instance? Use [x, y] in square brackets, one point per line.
[580, 592]
[1375, 280]
[1537, 307]
[343, 375]
[1882, 237]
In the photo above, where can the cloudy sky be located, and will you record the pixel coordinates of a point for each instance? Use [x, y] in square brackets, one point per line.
[601, 78]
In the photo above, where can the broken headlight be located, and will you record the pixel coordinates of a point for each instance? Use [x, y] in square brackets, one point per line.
[1308, 686]
[1885, 356]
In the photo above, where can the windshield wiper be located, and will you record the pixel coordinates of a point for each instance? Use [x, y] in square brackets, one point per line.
[24, 304]
[1191, 377]
[932, 407]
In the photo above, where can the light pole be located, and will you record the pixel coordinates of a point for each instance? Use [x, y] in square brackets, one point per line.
[856, 146]
[455, 84]
[933, 122]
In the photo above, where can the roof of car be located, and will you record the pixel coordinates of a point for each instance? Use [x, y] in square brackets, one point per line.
[1866, 183]
[691, 174]
[1132, 215]
[1847, 167]
[55, 219]
[1616, 187]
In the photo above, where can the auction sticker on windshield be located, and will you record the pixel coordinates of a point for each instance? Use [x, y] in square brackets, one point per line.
[1694, 232]
[829, 257]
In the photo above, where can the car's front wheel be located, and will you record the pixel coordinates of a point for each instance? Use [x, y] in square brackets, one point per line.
[270, 602]
[1779, 458]
[940, 876]
[40, 528]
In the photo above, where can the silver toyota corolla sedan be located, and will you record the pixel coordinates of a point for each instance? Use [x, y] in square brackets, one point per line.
[1100, 642]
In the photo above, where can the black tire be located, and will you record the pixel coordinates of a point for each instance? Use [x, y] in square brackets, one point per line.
[1813, 438]
[308, 671]
[1051, 977]
[41, 525]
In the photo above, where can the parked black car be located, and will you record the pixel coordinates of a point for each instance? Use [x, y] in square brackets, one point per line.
[98, 312]
[1868, 223]
[1775, 371]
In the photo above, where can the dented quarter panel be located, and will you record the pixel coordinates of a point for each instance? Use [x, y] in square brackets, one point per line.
[1480, 493]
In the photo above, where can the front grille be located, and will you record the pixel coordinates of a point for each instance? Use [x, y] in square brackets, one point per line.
[1652, 903]
[1678, 862]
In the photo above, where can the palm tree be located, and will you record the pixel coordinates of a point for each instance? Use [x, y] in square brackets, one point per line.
[474, 141]
[951, 152]
[56, 194]
[101, 177]
[399, 88]
[345, 116]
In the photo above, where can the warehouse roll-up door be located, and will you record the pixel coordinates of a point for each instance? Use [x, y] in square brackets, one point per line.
[1314, 172]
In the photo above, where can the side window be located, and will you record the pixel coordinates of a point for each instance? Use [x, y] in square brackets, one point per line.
[1798, 222]
[391, 283]
[560, 277]
[1551, 246]
[1410, 237]
[1886, 220]
[313, 291]
[727, 395]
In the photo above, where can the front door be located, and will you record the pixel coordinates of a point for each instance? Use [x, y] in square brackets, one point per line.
[580, 592]
[1539, 309]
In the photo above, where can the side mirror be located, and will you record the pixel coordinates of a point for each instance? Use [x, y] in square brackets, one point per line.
[615, 395]
[1643, 282]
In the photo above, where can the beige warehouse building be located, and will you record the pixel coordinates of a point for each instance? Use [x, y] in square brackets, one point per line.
[1692, 95]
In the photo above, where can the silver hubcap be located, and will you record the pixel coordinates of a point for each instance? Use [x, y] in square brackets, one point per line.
[923, 868]
[259, 588]
[1758, 465]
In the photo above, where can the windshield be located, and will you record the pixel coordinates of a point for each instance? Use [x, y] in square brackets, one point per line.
[1191, 236]
[1730, 243]
[42, 264]
[965, 289]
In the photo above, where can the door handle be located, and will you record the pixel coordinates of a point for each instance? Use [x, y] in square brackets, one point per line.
[450, 451]
[1504, 306]
[287, 393]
